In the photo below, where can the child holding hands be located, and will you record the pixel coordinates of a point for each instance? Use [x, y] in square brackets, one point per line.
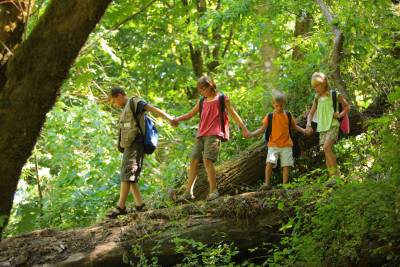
[328, 120]
[213, 128]
[279, 143]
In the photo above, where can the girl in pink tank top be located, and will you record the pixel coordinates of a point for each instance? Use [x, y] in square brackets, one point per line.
[214, 127]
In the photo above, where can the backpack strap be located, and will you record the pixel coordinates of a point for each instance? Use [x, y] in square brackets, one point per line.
[201, 105]
[221, 99]
[268, 131]
[135, 114]
[334, 100]
[289, 115]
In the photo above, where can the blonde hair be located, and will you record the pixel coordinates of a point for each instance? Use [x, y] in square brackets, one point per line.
[318, 78]
[279, 96]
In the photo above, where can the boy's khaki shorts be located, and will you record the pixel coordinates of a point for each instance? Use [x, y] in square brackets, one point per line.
[132, 162]
[206, 147]
[330, 135]
[284, 153]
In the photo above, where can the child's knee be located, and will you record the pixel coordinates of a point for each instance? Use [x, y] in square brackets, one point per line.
[327, 148]
[208, 162]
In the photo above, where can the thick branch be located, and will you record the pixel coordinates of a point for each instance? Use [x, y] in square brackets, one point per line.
[302, 28]
[337, 51]
[34, 76]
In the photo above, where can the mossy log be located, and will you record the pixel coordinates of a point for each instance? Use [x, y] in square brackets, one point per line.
[249, 220]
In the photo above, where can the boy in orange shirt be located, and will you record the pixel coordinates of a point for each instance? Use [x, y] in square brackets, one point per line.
[279, 144]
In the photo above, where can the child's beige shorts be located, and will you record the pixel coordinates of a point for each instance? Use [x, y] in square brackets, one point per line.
[330, 135]
[284, 153]
[206, 147]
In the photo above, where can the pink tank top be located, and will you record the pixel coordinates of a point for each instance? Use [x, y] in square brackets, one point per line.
[210, 122]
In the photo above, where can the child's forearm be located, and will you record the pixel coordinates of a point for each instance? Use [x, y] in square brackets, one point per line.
[159, 112]
[258, 131]
[300, 129]
[183, 117]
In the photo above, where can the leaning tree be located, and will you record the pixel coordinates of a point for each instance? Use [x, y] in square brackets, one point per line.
[31, 74]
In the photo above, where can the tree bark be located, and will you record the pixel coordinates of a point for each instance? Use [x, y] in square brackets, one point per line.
[302, 28]
[248, 221]
[33, 78]
[337, 51]
[13, 18]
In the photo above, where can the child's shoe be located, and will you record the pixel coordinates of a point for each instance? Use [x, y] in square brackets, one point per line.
[330, 183]
[116, 212]
[186, 197]
[213, 195]
[265, 187]
[141, 208]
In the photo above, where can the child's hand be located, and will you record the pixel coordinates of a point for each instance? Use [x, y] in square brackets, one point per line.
[174, 122]
[336, 115]
[308, 131]
[246, 133]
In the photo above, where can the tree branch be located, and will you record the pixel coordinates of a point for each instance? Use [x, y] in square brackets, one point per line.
[337, 50]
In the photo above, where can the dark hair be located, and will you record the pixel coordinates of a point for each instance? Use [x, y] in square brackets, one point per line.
[115, 91]
[207, 81]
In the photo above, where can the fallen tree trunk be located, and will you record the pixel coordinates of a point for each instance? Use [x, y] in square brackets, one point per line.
[247, 169]
[247, 221]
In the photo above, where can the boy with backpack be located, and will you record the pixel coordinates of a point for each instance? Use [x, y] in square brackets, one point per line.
[277, 126]
[131, 139]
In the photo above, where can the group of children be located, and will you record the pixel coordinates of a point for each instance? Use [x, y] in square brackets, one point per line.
[213, 108]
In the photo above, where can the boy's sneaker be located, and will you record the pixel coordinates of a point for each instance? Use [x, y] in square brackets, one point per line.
[330, 183]
[141, 208]
[213, 195]
[116, 212]
[186, 197]
[265, 187]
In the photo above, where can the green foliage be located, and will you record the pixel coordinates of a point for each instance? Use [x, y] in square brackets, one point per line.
[354, 224]
[194, 253]
[388, 129]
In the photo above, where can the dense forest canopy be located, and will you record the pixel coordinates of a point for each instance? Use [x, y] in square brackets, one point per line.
[158, 49]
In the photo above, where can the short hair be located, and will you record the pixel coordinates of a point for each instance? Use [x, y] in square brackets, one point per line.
[115, 91]
[207, 81]
[319, 77]
[279, 96]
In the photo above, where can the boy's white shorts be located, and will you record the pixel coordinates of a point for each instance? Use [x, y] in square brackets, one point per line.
[284, 153]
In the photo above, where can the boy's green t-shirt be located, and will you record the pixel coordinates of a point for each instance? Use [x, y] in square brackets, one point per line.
[325, 113]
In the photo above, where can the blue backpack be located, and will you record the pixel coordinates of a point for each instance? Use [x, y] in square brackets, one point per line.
[150, 134]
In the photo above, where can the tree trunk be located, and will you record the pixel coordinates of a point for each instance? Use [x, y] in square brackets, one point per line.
[13, 18]
[337, 51]
[302, 28]
[33, 78]
[248, 221]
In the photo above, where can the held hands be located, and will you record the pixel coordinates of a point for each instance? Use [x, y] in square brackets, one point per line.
[246, 133]
[336, 115]
[174, 122]
[308, 131]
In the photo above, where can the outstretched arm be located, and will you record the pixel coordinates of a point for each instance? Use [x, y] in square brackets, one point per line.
[309, 130]
[345, 106]
[232, 112]
[259, 130]
[158, 112]
[297, 127]
[188, 115]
